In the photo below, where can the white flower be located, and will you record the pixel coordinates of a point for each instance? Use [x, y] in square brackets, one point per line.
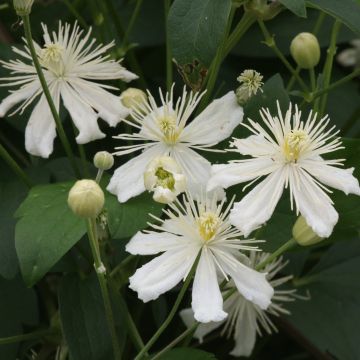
[164, 177]
[164, 130]
[246, 319]
[70, 64]
[192, 228]
[350, 56]
[251, 81]
[289, 152]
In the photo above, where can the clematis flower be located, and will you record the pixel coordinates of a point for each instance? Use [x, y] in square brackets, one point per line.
[247, 319]
[193, 228]
[164, 131]
[71, 64]
[288, 151]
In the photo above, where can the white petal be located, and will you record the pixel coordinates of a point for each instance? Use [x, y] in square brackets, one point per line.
[207, 301]
[152, 243]
[313, 204]
[259, 204]
[128, 179]
[341, 179]
[41, 129]
[162, 273]
[347, 57]
[187, 316]
[127, 75]
[83, 116]
[215, 123]
[225, 175]
[245, 330]
[255, 145]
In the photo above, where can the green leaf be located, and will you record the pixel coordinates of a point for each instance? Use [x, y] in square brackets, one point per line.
[125, 219]
[334, 304]
[298, 7]
[46, 230]
[187, 353]
[83, 319]
[347, 11]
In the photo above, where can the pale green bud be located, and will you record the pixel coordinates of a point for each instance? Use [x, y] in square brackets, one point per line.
[132, 98]
[103, 160]
[86, 199]
[305, 50]
[23, 7]
[303, 234]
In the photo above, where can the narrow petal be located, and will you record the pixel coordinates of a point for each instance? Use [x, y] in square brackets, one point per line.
[255, 145]
[225, 175]
[41, 129]
[341, 179]
[259, 204]
[207, 301]
[128, 179]
[162, 273]
[83, 116]
[152, 243]
[215, 123]
[313, 204]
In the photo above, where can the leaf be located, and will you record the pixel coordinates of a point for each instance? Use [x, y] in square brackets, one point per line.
[334, 304]
[347, 11]
[187, 353]
[83, 319]
[46, 230]
[298, 7]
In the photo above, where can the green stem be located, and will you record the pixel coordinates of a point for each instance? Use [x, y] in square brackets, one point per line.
[21, 157]
[270, 42]
[169, 69]
[329, 64]
[15, 167]
[173, 311]
[132, 21]
[303, 281]
[100, 272]
[60, 129]
[120, 266]
[25, 337]
[182, 336]
[314, 88]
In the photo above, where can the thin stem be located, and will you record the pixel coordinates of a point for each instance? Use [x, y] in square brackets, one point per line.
[313, 87]
[120, 266]
[60, 129]
[25, 337]
[169, 69]
[132, 21]
[306, 280]
[15, 167]
[173, 311]
[329, 63]
[100, 272]
[14, 150]
[270, 42]
[190, 330]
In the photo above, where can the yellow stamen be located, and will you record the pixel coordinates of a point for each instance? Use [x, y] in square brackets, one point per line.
[169, 128]
[294, 143]
[208, 224]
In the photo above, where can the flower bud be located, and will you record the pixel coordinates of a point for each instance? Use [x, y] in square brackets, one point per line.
[164, 177]
[132, 97]
[250, 82]
[86, 199]
[23, 7]
[305, 50]
[303, 234]
[103, 160]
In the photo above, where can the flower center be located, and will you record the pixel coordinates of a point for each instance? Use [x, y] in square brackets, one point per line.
[168, 127]
[208, 224]
[51, 56]
[294, 143]
[165, 179]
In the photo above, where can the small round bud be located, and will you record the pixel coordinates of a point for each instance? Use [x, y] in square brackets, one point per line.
[303, 234]
[132, 97]
[103, 160]
[86, 199]
[23, 7]
[305, 50]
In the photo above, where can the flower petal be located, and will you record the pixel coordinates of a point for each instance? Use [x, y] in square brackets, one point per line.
[313, 204]
[41, 129]
[255, 145]
[207, 301]
[215, 123]
[152, 243]
[83, 116]
[128, 179]
[259, 204]
[347, 57]
[162, 273]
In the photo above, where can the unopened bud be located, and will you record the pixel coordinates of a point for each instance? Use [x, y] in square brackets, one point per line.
[303, 234]
[164, 177]
[23, 7]
[86, 199]
[305, 50]
[250, 82]
[133, 98]
[103, 160]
